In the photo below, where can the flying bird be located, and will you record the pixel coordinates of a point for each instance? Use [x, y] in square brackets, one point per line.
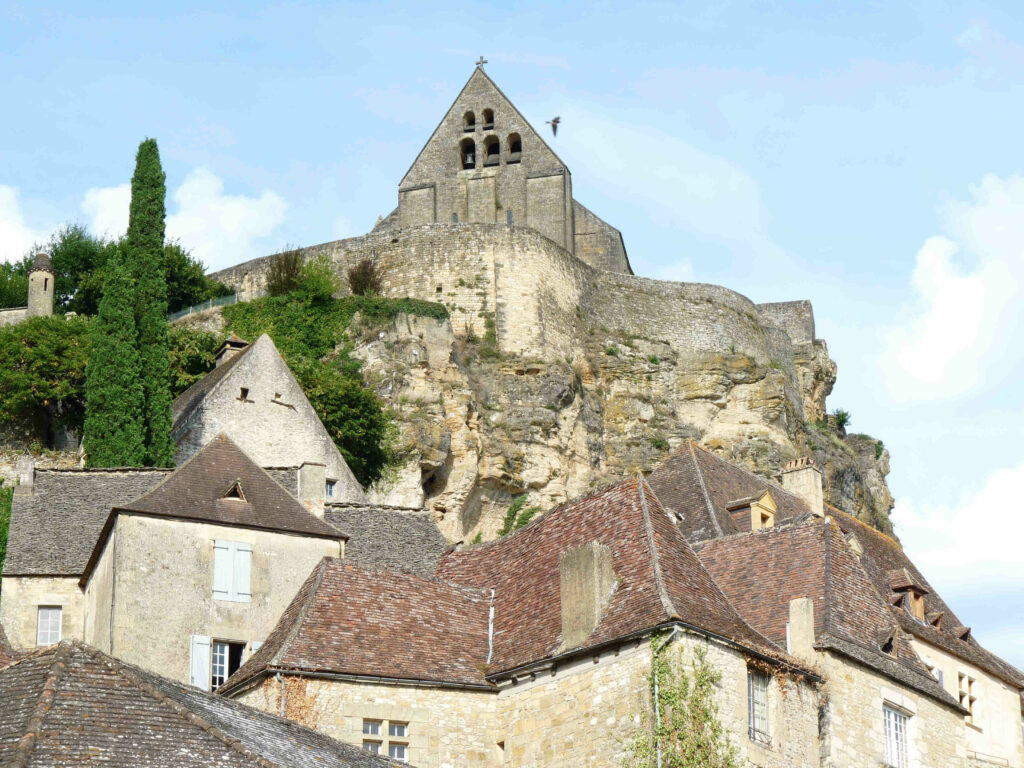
[554, 125]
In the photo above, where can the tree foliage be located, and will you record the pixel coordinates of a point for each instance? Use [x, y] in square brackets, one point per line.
[364, 279]
[284, 272]
[317, 279]
[687, 727]
[193, 355]
[14, 283]
[6, 495]
[114, 427]
[146, 261]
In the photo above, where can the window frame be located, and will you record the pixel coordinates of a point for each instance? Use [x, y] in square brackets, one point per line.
[393, 746]
[48, 609]
[215, 645]
[329, 488]
[896, 726]
[758, 680]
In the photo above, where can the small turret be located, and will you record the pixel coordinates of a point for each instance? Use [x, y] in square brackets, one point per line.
[40, 287]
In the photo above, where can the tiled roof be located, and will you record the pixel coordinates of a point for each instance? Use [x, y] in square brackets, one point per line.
[659, 578]
[72, 705]
[350, 620]
[187, 401]
[884, 559]
[761, 572]
[53, 530]
[6, 652]
[388, 537]
[698, 487]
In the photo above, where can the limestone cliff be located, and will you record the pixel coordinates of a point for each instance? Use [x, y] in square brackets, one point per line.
[478, 427]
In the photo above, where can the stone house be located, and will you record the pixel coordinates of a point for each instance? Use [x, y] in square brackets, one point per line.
[253, 398]
[531, 650]
[71, 705]
[900, 669]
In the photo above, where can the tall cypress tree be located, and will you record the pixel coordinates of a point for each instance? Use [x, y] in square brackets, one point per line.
[113, 433]
[145, 244]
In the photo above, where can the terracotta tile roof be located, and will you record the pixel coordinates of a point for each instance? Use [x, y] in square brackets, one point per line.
[53, 531]
[660, 579]
[388, 537]
[883, 559]
[71, 705]
[185, 403]
[761, 572]
[350, 620]
[698, 487]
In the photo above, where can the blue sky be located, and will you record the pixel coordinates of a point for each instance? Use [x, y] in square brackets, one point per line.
[863, 155]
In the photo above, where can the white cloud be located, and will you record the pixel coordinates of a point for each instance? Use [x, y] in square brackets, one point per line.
[219, 229]
[960, 326]
[16, 237]
[107, 209]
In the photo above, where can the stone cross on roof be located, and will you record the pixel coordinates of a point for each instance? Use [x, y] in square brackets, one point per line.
[480, 62]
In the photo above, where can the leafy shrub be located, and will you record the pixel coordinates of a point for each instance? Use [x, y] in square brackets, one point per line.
[6, 494]
[193, 355]
[879, 447]
[516, 517]
[612, 351]
[659, 444]
[364, 279]
[285, 272]
[653, 360]
[317, 280]
[841, 419]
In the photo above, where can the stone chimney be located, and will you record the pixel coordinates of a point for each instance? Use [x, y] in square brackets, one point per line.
[312, 487]
[25, 468]
[802, 478]
[800, 629]
[587, 583]
[231, 348]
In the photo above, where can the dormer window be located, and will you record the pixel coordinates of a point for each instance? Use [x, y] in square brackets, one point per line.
[908, 593]
[488, 119]
[915, 604]
[234, 492]
[754, 512]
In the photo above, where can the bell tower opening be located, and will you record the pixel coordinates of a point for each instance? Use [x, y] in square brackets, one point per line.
[467, 154]
[492, 151]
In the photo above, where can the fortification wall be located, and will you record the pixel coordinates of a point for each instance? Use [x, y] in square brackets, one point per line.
[13, 315]
[598, 243]
[796, 318]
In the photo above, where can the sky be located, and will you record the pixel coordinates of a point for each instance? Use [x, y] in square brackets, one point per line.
[865, 156]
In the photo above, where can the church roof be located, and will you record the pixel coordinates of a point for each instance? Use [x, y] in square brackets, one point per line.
[388, 537]
[354, 621]
[72, 705]
[699, 487]
[220, 484]
[53, 530]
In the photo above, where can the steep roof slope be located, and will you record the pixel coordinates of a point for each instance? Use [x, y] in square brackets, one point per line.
[388, 537]
[185, 403]
[698, 486]
[53, 530]
[349, 620]
[6, 652]
[72, 705]
[659, 578]
[761, 572]
[884, 557]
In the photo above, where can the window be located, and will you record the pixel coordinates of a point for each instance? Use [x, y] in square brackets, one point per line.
[455, 218]
[371, 727]
[48, 621]
[397, 747]
[915, 604]
[244, 395]
[757, 706]
[373, 747]
[398, 730]
[231, 566]
[225, 661]
[467, 154]
[398, 752]
[329, 487]
[895, 738]
[967, 695]
[515, 148]
[508, 217]
[492, 151]
[488, 119]
[469, 122]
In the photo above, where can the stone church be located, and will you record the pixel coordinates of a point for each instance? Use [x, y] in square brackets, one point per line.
[257, 567]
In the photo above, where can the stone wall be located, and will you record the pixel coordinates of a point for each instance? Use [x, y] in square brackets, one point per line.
[155, 558]
[598, 243]
[20, 598]
[13, 316]
[853, 720]
[796, 318]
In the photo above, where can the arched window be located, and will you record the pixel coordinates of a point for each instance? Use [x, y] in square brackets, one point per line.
[467, 154]
[488, 119]
[469, 122]
[492, 151]
[515, 148]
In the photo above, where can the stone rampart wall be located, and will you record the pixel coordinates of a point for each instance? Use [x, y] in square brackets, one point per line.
[796, 318]
[13, 316]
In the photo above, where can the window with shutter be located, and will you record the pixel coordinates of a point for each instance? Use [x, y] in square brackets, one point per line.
[199, 662]
[222, 567]
[240, 581]
[232, 564]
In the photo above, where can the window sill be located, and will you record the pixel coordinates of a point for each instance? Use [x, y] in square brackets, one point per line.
[972, 726]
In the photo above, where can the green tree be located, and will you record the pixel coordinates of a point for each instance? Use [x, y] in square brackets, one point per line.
[187, 283]
[192, 355]
[6, 496]
[114, 396]
[145, 248]
[14, 283]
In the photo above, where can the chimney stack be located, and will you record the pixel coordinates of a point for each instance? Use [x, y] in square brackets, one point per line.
[802, 478]
[800, 629]
[231, 348]
[25, 468]
[313, 487]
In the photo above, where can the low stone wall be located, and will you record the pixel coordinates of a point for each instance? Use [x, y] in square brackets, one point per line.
[13, 315]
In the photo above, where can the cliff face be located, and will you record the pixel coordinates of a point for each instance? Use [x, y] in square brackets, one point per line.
[478, 426]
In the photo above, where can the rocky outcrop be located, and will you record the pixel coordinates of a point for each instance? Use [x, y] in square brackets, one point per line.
[478, 427]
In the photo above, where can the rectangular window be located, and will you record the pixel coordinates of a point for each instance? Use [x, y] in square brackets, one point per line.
[895, 738]
[398, 752]
[757, 706]
[329, 488]
[232, 561]
[48, 625]
[397, 730]
[371, 727]
[225, 661]
[373, 747]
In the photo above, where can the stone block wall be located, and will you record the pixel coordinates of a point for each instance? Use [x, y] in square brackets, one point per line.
[20, 598]
[796, 318]
[13, 315]
[598, 243]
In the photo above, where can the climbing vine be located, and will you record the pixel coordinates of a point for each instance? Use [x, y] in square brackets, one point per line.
[686, 724]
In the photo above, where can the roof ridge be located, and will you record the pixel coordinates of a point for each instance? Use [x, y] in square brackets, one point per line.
[300, 616]
[27, 742]
[383, 569]
[659, 581]
[133, 676]
[704, 488]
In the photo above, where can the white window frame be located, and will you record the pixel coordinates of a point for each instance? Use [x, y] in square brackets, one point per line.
[232, 571]
[394, 747]
[49, 612]
[897, 737]
[372, 727]
[758, 722]
[330, 487]
[371, 746]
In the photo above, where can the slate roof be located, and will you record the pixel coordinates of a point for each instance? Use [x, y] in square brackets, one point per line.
[187, 401]
[698, 487]
[41, 263]
[659, 578]
[53, 530]
[355, 621]
[6, 652]
[72, 705]
[388, 537]
[887, 565]
[760, 572]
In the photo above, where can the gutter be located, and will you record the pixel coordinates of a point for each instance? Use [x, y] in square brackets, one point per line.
[341, 676]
